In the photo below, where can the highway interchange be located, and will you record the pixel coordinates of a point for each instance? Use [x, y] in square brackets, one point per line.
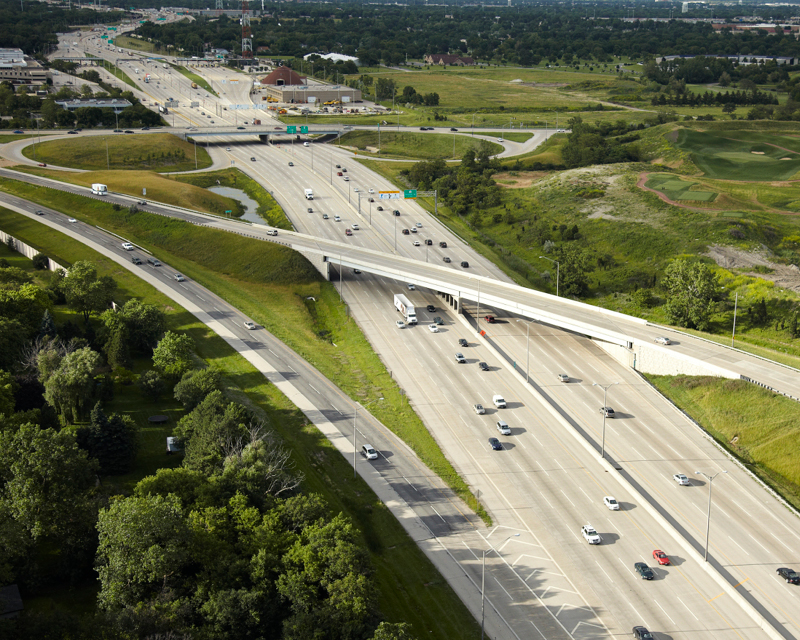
[545, 484]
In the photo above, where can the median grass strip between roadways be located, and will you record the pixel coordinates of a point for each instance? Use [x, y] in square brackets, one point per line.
[199, 80]
[410, 589]
[271, 284]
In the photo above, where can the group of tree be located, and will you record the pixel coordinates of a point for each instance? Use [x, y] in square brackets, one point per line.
[463, 187]
[225, 546]
[604, 143]
[410, 96]
[390, 33]
[719, 98]
[709, 69]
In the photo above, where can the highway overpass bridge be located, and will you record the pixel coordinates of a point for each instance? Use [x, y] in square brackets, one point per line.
[263, 131]
[628, 339]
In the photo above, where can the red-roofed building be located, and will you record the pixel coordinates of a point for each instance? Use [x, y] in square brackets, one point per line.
[284, 77]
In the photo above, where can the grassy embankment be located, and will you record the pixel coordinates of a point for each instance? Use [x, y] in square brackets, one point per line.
[261, 279]
[759, 427]
[419, 146]
[409, 587]
[159, 152]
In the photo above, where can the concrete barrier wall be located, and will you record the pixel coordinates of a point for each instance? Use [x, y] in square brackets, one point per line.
[658, 360]
[28, 251]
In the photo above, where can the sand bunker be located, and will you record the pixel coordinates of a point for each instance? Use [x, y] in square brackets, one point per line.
[758, 153]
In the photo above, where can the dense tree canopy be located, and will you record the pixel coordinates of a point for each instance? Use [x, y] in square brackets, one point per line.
[525, 35]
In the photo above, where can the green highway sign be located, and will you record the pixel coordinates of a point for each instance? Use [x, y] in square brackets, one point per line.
[410, 193]
[303, 129]
[291, 129]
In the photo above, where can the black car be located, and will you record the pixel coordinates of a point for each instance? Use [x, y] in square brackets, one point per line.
[495, 444]
[483, 366]
[310, 210]
[465, 264]
[640, 633]
[396, 212]
[790, 575]
[39, 212]
[240, 127]
[380, 208]
[643, 570]
[453, 129]
[117, 130]
[72, 133]
[431, 308]
[443, 244]
[446, 259]
[429, 242]
[145, 128]
[338, 166]
[462, 342]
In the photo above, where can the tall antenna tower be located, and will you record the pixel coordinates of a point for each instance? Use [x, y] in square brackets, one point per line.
[247, 40]
[219, 7]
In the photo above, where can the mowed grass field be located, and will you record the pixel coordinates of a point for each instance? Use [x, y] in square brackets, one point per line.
[676, 189]
[742, 155]
[159, 152]
[760, 427]
[494, 90]
[417, 146]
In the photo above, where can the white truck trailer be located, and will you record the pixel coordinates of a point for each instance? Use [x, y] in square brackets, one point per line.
[309, 194]
[402, 304]
[99, 189]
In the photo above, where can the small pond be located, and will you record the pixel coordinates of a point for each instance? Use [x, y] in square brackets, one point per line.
[250, 205]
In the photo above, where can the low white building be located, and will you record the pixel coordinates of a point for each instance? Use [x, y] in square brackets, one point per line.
[335, 57]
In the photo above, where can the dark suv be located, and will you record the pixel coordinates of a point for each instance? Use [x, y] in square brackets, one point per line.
[790, 575]
[640, 633]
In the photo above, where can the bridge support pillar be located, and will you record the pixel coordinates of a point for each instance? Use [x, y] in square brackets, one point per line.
[320, 263]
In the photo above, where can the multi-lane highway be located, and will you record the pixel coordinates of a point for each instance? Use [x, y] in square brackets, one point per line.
[545, 484]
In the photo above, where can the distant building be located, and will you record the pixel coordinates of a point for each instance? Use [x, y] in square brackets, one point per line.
[116, 104]
[446, 59]
[19, 69]
[335, 57]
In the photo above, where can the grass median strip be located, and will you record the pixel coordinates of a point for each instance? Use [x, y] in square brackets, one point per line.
[410, 587]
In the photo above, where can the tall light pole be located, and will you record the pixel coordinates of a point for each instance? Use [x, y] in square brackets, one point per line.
[558, 271]
[355, 417]
[108, 163]
[483, 579]
[473, 123]
[605, 388]
[527, 347]
[708, 517]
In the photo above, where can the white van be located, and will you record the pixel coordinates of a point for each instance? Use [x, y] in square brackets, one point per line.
[499, 402]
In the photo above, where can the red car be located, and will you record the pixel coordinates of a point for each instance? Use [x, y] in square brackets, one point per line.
[661, 557]
[338, 173]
